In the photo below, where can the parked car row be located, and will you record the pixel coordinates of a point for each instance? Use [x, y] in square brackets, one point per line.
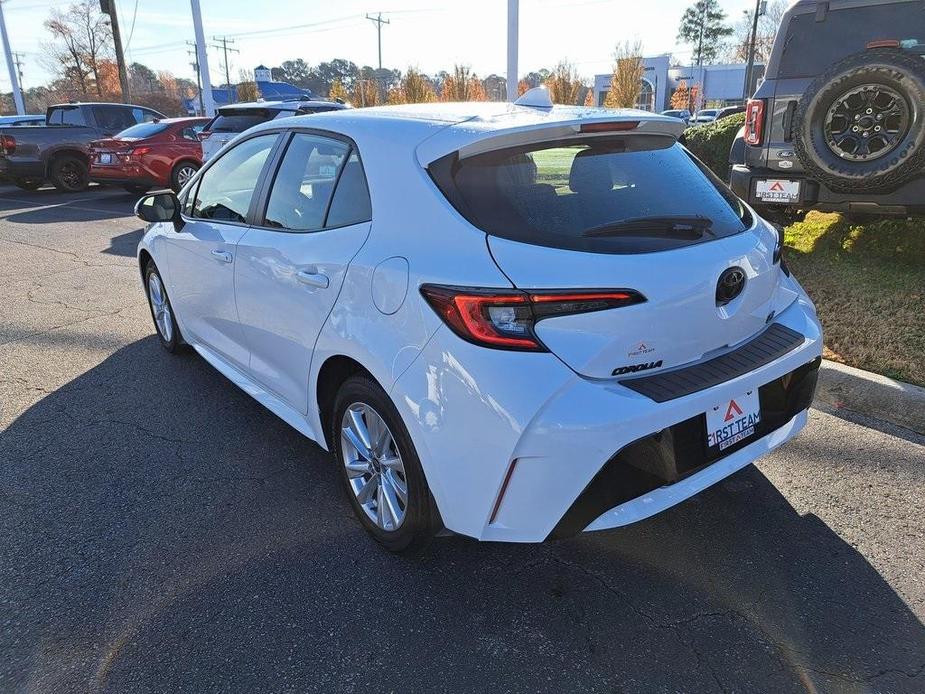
[703, 116]
[123, 144]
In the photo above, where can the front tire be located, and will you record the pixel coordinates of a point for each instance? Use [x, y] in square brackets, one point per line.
[380, 469]
[165, 322]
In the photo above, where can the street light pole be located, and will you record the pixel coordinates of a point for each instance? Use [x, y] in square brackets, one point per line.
[747, 87]
[202, 59]
[513, 19]
[8, 52]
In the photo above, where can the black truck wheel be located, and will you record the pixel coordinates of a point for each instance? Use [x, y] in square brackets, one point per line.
[861, 124]
[28, 183]
[69, 173]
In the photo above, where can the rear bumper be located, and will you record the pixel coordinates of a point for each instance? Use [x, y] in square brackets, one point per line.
[20, 168]
[515, 447]
[137, 176]
[907, 199]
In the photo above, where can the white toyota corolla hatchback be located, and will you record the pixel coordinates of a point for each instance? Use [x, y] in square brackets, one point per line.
[509, 321]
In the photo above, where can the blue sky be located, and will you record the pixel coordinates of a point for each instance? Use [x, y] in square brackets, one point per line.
[429, 34]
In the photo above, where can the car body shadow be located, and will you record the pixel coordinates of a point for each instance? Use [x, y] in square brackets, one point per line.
[162, 530]
[125, 244]
[48, 205]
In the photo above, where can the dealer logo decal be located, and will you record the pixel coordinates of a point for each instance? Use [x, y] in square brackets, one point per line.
[732, 411]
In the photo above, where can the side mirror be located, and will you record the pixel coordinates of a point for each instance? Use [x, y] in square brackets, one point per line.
[160, 207]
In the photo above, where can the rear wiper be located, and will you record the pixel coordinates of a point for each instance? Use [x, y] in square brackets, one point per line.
[674, 226]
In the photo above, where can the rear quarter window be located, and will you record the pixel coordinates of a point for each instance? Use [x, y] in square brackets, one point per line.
[239, 121]
[553, 194]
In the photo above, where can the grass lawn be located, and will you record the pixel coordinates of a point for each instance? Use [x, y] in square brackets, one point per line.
[868, 283]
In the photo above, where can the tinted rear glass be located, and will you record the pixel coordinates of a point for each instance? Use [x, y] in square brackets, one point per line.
[143, 130]
[811, 47]
[238, 122]
[552, 194]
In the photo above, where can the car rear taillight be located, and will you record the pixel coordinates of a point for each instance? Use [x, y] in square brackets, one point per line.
[138, 151]
[505, 319]
[7, 144]
[609, 127]
[754, 121]
[203, 135]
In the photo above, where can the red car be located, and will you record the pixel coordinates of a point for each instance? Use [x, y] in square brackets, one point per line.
[164, 153]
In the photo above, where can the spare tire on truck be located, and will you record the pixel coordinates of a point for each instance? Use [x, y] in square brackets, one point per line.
[861, 125]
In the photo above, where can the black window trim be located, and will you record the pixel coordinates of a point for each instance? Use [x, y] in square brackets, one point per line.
[194, 190]
[263, 197]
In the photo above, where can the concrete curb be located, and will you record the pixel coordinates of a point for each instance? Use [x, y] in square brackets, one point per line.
[845, 387]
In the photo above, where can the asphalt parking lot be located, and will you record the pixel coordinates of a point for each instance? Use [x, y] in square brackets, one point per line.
[161, 531]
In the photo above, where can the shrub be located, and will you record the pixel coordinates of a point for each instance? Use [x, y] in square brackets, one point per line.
[710, 143]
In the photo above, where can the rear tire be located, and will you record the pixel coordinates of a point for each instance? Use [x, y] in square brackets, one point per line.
[165, 322]
[69, 174]
[28, 183]
[363, 406]
[181, 174]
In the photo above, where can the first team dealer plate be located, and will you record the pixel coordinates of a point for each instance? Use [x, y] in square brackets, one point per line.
[734, 420]
[777, 190]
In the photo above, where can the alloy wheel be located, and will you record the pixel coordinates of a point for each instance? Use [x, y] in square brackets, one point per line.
[374, 467]
[184, 174]
[866, 122]
[160, 307]
[72, 175]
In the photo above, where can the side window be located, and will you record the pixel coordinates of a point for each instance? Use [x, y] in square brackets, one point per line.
[227, 187]
[192, 132]
[113, 119]
[66, 116]
[350, 204]
[305, 182]
[143, 115]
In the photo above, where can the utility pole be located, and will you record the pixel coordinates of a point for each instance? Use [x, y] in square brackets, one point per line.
[17, 93]
[760, 9]
[17, 59]
[109, 7]
[192, 53]
[513, 19]
[379, 22]
[224, 41]
[202, 60]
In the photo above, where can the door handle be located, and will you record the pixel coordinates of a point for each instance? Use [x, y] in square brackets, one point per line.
[313, 279]
[224, 256]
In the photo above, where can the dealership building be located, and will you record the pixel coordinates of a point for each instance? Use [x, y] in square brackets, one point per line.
[721, 85]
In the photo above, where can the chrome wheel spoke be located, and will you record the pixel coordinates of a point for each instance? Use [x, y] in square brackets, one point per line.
[397, 486]
[357, 469]
[359, 429]
[369, 490]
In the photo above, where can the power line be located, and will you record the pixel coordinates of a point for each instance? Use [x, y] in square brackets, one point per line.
[379, 21]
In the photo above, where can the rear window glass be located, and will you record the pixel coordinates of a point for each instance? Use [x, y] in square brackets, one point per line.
[238, 122]
[143, 130]
[630, 194]
[811, 46]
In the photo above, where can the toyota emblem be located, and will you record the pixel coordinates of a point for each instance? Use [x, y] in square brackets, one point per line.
[730, 285]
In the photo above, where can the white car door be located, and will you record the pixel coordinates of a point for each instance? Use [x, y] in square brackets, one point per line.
[291, 267]
[201, 255]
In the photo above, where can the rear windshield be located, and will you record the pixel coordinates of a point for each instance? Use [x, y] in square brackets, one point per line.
[142, 130]
[594, 194]
[239, 121]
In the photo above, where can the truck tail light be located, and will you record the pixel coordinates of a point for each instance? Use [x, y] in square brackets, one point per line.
[7, 144]
[505, 319]
[754, 121]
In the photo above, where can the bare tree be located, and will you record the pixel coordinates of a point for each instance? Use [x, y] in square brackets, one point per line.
[626, 80]
[764, 39]
[82, 41]
[247, 87]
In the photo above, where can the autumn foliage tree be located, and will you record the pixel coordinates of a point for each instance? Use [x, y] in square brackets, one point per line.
[365, 93]
[680, 97]
[414, 88]
[564, 84]
[338, 91]
[626, 79]
[462, 85]
[247, 87]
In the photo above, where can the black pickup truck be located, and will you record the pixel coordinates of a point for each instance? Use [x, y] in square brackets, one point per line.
[58, 151]
[839, 122]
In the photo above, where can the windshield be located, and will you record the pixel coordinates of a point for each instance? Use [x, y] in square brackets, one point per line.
[553, 194]
[142, 130]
